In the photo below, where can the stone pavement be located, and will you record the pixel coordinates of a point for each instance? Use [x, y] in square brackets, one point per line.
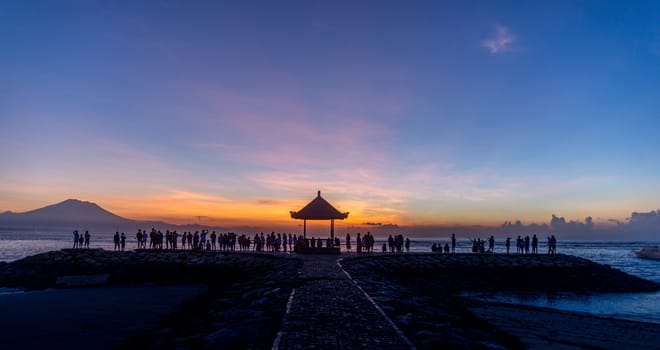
[329, 311]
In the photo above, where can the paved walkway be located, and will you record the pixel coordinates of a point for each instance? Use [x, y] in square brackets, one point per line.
[329, 311]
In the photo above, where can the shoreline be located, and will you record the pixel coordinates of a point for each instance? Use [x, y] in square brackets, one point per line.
[546, 328]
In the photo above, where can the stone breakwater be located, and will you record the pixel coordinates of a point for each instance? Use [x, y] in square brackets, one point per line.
[245, 292]
[139, 267]
[455, 273]
[420, 292]
[246, 296]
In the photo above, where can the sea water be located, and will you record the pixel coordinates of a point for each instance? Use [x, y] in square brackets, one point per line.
[15, 245]
[620, 255]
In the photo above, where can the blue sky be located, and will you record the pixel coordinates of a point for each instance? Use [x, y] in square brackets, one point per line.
[403, 112]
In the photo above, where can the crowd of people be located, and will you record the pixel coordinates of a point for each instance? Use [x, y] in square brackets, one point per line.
[80, 241]
[120, 241]
[260, 242]
[481, 246]
[439, 248]
[230, 241]
[283, 242]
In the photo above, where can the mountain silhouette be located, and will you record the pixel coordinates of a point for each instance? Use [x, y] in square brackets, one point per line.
[76, 214]
[69, 213]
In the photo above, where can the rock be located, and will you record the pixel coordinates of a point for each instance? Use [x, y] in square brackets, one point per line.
[261, 302]
[405, 320]
[223, 335]
[492, 345]
[276, 290]
[83, 280]
[435, 341]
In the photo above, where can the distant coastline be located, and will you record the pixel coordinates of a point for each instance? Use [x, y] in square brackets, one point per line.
[73, 214]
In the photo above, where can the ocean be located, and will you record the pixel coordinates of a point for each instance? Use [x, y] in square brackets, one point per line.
[618, 254]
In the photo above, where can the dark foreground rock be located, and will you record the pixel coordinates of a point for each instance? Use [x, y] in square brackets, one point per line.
[456, 273]
[245, 292]
[150, 267]
[420, 292]
[243, 298]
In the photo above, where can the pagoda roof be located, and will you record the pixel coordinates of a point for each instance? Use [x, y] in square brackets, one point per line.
[318, 209]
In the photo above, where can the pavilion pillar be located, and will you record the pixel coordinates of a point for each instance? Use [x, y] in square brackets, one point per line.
[305, 228]
[332, 230]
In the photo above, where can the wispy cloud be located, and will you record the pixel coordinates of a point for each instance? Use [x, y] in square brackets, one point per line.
[501, 41]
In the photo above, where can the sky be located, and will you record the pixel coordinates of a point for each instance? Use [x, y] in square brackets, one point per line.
[402, 112]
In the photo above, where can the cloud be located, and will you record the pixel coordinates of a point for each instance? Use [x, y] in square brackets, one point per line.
[501, 42]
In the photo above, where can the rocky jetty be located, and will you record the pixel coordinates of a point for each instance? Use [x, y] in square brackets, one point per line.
[455, 273]
[245, 291]
[152, 267]
[420, 292]
[368, 301]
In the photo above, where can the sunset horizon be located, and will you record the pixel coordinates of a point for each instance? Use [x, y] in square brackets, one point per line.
[412, 115]
[331, 175]
[637, 225]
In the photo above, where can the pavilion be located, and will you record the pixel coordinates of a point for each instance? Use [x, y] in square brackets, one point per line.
[319, 209]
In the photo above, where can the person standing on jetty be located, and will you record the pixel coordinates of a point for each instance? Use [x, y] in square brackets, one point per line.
[507, 244]
[123, 241]
[526, 243]
[116, 240]
[87, 239]
[535, 245]
[552, 245]
[75, 239]
[453, 243]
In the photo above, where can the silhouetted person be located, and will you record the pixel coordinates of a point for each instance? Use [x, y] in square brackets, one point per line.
[123, 241]
[407, 244]
[116, 240]
[446, 248]
[384, 248]
[453, 243]
[552, 245]
[507, 244]
[526, 244]
[86, 239]
[535, 245]
[76, 235]
[491, 244]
